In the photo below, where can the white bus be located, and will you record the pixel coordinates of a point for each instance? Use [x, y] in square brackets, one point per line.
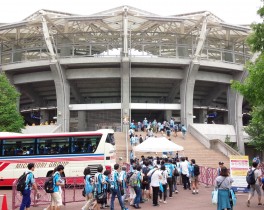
[74, 151]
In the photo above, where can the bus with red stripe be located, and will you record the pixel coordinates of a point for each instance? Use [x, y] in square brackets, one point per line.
[73, 150]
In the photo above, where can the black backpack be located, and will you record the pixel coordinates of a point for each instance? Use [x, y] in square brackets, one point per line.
[251, 177]
[48, 185]
[145, 179]
[196, 170]
[21, 182]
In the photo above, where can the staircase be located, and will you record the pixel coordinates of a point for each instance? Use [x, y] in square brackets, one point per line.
[193, 149]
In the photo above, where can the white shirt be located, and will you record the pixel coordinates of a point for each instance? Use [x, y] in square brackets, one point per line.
[164, 177]
[184, 167]
[155, 178]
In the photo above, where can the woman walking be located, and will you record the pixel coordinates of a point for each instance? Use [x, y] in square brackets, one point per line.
[163, 181]
[223, 183]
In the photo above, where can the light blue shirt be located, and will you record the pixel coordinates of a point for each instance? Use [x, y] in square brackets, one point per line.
[29, 180]
[56, 178]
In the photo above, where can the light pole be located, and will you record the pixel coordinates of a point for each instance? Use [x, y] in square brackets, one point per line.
[125, 123]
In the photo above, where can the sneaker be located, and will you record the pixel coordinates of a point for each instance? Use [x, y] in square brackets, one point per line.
[248, 203]
[193, 192]
[176, 191]
[165, 202]
[259, 204]
[197, 192]
[160, 201]
[170, 197]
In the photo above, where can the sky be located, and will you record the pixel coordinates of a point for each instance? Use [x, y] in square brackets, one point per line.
[231, 11]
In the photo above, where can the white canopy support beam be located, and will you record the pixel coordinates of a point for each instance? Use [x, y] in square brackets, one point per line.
[48, 38]
[202, 37]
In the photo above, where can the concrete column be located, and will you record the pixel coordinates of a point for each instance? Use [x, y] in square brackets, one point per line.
[44, 116]
[168, 115]
[235, 100]
[202, 115]
[125, 89]
[65, 48]
[186, 94]
[17, 55]
[63, 95]
[82, 124]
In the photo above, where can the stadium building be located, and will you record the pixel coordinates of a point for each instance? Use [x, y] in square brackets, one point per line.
[95, 71]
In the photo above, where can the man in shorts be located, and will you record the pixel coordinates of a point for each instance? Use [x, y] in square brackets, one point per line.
[256, 186]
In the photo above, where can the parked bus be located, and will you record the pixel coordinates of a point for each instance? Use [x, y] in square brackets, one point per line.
[74, 151]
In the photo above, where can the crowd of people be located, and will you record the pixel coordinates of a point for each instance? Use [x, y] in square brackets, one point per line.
[167, 126]
[149, 178]
[145, 179]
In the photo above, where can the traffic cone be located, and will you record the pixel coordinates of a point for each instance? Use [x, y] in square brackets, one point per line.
[4, 203]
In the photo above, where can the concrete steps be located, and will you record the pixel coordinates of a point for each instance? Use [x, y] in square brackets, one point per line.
[193, 149]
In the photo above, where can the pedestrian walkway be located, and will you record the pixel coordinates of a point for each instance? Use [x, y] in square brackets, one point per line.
[184, 200]
[193, 149]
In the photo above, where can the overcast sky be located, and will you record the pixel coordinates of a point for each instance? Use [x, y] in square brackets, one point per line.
[231, 11]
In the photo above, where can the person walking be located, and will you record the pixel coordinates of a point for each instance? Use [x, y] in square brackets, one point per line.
[56, 197]
[256, 186]
[163, 181]
[115, 188]
[223, 183]
[30, 182]
[156, 176]
[195, 172]
[88, 186]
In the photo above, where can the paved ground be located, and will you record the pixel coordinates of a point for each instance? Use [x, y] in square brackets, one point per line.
[184, 200]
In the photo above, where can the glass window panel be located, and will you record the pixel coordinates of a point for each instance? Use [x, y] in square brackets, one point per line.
[85, 144]
[52, 146]
[17, 147]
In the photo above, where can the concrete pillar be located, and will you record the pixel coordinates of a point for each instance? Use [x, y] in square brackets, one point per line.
[235, 100]
[167, 115]
[17, 55]
[186, 94]
[125, 89]
[62, 94]
[44, 116]
[65, 48]
[202, 115]
[82, 124]
[225, 117]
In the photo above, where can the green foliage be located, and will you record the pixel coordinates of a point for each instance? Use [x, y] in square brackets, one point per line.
[10, 118]
[253, 87]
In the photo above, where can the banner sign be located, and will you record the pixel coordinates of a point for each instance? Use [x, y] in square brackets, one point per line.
[239, 167]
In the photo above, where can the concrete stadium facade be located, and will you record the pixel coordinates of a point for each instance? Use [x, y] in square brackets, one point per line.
[90, 72]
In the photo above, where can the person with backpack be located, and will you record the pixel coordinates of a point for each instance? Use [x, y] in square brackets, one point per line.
[28, 183]
[88, 188]
[135, 182]
[145, 181]
[56, 195]
[194, 173]
[99, 186]
[156, 176]
[254, 182]
[132, 194]
[123, 185]
[223, 184]
[115, 188]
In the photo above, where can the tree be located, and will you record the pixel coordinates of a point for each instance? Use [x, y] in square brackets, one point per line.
[10, 118]
[253, 86]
